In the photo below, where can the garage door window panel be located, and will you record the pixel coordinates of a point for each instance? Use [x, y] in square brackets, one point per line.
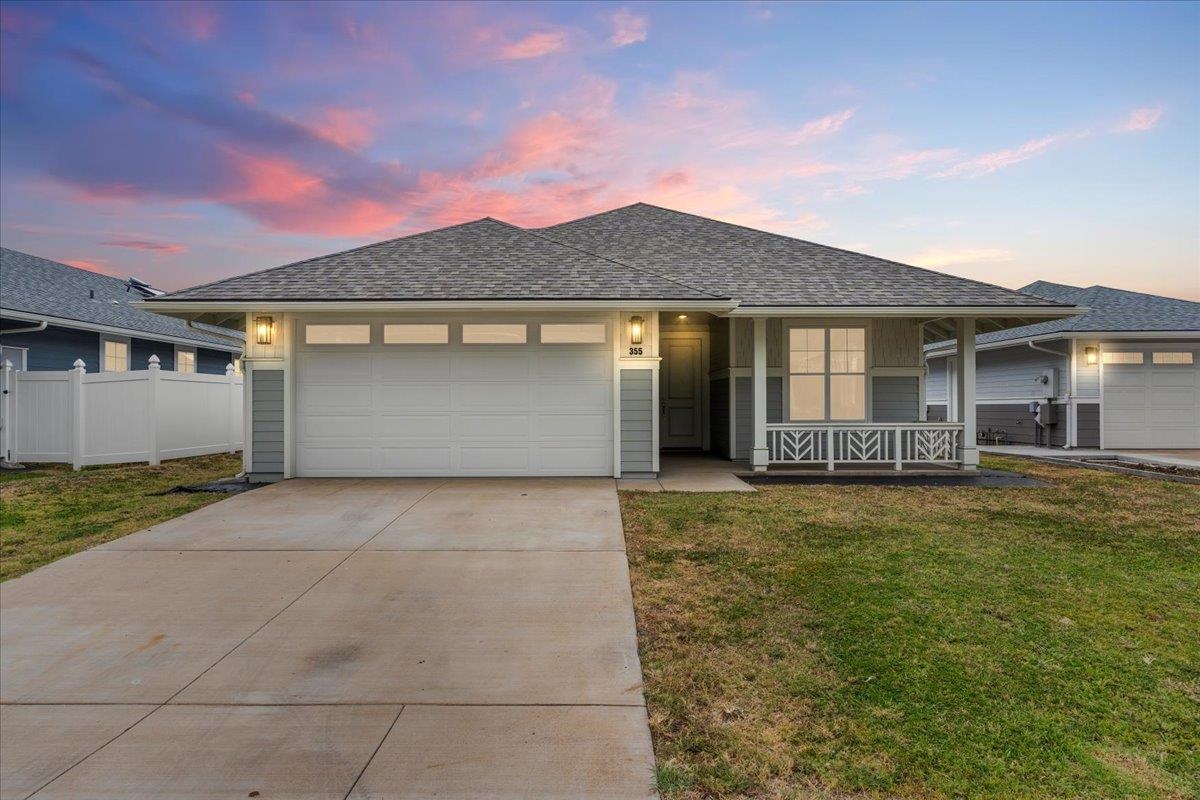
[494, 333]
[574, 333]
[1118, 357]
[1172, 358]
[416, 334]
[337, 334]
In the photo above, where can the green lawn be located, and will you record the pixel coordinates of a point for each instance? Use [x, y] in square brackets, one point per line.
[856, 641]
[48, 511]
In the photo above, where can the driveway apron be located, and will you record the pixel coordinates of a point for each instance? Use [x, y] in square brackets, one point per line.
[367, 638]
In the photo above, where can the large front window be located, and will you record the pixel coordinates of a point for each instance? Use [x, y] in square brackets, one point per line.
[827, 378]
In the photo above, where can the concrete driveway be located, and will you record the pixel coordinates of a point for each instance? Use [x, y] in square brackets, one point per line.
[333, 639]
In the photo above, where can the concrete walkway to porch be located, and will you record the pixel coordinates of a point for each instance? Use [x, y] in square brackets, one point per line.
[690, 472]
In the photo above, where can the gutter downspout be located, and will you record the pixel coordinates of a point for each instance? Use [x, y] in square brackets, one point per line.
[41, 326]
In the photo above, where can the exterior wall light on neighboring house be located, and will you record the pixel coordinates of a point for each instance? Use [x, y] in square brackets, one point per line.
[264, 330]
[1091, 356]
[635, 329]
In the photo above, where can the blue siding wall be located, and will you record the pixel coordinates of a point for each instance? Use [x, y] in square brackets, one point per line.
[57, 348]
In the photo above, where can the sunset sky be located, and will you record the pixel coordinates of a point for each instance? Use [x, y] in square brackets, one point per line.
[185, 142]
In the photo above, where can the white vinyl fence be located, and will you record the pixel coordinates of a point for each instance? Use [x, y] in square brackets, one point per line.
[117, 417]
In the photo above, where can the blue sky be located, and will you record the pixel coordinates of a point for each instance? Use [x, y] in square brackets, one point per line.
[184, 142]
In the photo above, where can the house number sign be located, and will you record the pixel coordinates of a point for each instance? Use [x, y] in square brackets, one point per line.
[635, 351]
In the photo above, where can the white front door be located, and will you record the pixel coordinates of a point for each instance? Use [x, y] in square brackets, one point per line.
[681, 393]
[454, 409]
[1150, 396]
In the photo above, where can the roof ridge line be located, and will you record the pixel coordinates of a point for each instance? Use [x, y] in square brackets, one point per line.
[540, 235]
[832, 247]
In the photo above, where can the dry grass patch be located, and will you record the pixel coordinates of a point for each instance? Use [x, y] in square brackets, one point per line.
[838, 641]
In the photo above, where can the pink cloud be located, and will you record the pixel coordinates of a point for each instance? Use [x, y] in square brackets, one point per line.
[674, 179]
[535, 45]
[628, 28]
[162, 248]
[987, 163]
[198, 20]
[1141, 119]
[823, 127]
[351, 128]
[92, 266]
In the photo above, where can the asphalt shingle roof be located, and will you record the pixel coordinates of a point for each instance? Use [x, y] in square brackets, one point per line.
[1108, 310]
[639, 252]
[40, 286]
[482, 260]
[767, 269]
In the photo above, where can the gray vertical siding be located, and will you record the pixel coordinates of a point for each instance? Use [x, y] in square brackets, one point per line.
[637, 420]
[1088, 424]
[1006, 373]
[935, 380]
[745, 411]
[719, 416]
[895, 398]
[266, 414]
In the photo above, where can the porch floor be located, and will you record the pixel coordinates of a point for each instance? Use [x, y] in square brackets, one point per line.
[691, 472]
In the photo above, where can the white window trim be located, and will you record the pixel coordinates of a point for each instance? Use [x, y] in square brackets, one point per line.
[106, 337]
[868, 359]
[195, 358]
[22, 363]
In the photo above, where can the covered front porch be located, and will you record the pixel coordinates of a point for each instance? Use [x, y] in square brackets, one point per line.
[831, 393]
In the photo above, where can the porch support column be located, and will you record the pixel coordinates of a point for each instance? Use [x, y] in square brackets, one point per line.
[967, 452]
[759, 455]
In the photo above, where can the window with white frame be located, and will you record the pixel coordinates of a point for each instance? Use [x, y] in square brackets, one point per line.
[337, 334]
[493, 333]
[185, 359]
[411, 333]
[573, 333]
[115, 355]
[827, 374]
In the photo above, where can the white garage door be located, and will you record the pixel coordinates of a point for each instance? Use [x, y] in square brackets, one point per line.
[454, 409]
[1151, 396]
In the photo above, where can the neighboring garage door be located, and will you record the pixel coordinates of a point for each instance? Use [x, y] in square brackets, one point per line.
[455, 409]
[1150, 396]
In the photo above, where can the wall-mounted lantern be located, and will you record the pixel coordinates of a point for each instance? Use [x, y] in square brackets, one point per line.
[1091, 356]
[636, 324]
[264, 330]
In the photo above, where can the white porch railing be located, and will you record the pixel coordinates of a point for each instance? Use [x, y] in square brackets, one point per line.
[864, 443]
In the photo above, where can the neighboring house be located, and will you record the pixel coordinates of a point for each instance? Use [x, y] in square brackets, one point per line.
[586, 347]
[52, 314]
[1126, 374]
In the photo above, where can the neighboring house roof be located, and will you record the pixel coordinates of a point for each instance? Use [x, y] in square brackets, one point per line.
[640, 252]
[1109, 310]
[41, 287]
[768, 269]
[482, 260]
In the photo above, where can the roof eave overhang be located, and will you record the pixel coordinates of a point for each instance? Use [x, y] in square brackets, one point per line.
[232, 345]
[1038, 313]
[193, 309]
[950, 349]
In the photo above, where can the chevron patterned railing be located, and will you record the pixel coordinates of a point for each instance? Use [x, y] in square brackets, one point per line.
[913, 443]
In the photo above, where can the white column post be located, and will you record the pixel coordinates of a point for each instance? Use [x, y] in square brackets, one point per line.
[968, 452]
[6, 411]
[152, 406]
[760, 456]
[75, 382]
[231, 408]
[897, 443]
